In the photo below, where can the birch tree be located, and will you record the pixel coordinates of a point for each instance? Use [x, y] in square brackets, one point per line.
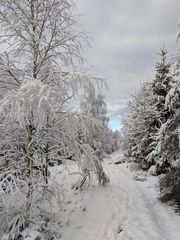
[42, 43]
[94, 107]
[37, 33]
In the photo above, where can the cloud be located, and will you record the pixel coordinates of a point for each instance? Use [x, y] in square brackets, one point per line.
[127, 35]
[115, 112]
[114, 109]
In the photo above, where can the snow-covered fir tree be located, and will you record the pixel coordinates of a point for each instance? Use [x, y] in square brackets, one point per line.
[162, 83]
[151, 128]
[149, 117]
[167, 152]
[139, 126]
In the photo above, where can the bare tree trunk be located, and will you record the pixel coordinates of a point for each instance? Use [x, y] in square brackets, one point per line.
[34, 47]
[29, 127]
[29, 171]
[45, 166]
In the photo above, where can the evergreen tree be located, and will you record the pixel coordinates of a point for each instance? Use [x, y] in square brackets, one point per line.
[166, 151]
[162, 83]
[139, 126]
[161, 86]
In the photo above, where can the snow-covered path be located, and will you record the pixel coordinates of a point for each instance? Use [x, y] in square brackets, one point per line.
[124, 210]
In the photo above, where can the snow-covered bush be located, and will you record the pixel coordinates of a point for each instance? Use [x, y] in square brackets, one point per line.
[170, 187]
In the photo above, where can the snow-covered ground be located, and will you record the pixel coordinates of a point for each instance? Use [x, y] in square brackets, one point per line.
[126, 209]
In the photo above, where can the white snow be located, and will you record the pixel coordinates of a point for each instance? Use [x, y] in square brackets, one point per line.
[153, 170]
[126, 209]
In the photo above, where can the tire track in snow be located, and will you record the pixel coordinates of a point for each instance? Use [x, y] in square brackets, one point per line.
[121, 203]
[147, 220]
[142, 221]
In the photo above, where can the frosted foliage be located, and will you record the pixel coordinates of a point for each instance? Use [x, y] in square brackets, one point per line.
[42, 30]
[138, 125]
[98, 135]
[42, 43]
[55, 129]
[78, 83]
[152, 170]
[173, 97]
[161, 134]
[12, 194]
[87, 161]
[30, 104]
[47, 43]
[95, 106]
[166, 151]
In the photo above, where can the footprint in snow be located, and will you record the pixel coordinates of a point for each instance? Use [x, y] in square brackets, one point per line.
[119, 229]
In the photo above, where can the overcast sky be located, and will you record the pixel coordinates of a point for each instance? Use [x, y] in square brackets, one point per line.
[126, 36]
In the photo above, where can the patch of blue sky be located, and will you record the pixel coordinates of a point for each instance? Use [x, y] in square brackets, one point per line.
[115, 124]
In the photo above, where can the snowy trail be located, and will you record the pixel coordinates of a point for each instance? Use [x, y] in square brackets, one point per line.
[123, 210]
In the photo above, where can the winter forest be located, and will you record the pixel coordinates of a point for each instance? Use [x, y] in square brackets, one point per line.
[64, 172]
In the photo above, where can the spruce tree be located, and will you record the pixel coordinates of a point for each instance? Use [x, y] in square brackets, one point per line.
[139, 126]
[161, 84]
